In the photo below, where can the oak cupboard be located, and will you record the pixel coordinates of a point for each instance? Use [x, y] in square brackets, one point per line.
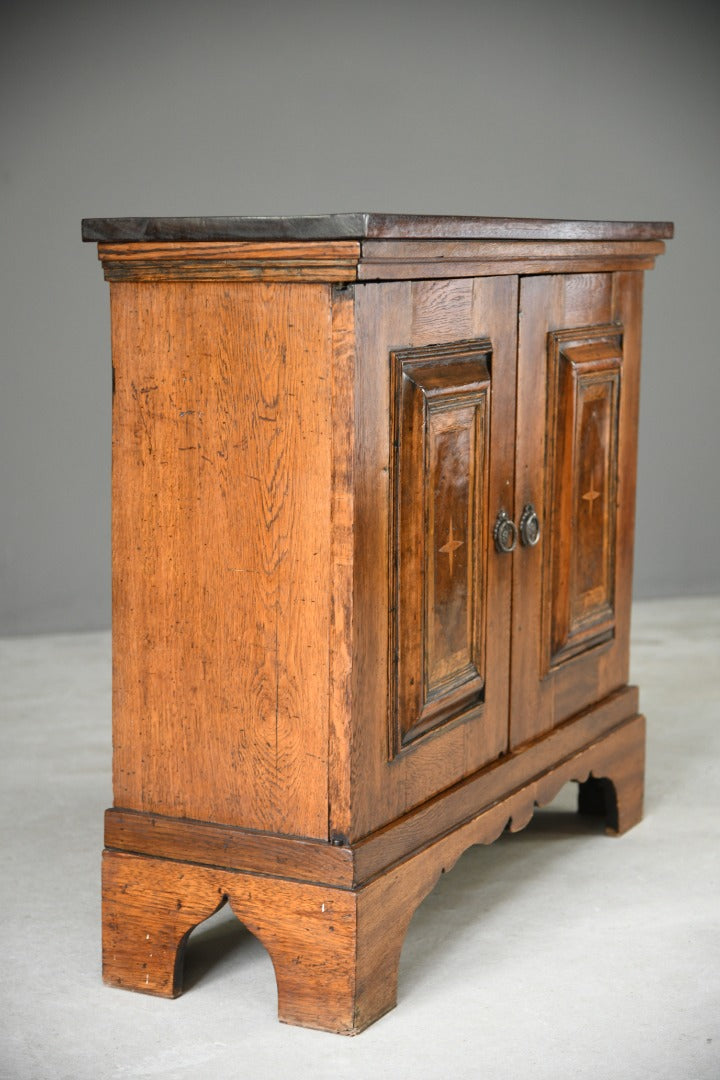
[373, 497]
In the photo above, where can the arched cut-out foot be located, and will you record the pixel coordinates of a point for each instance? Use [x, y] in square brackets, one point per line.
[150, 907]
[614, 789]
[335, 952]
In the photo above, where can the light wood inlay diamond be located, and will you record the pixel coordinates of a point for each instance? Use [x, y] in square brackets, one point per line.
[451, 546]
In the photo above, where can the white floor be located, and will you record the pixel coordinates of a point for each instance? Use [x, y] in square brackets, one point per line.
[557, 952]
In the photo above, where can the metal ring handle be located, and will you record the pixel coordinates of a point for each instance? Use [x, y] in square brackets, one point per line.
[529, 526]
[505, 533]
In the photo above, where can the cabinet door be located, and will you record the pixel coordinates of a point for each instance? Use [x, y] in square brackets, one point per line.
[434, 430]
[578, 365]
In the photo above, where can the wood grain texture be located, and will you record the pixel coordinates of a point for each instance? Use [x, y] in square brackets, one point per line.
[342, 545]
[627, 292]
[478, 793]
[361, 225]
[335, 953]
[318, 862]
[440, 465]
[242, 261]
[224, 229]
[310, 931]
[387, 260]
[451, 227]
[340, 260]
[582, 304]
[149, 909]
[222, 552]
[204, 842]
[584, 389]
[388, 318]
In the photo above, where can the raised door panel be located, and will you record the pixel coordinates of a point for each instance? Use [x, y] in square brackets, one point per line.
[578, 359]
[434, 449]
[584, 377]
[441, 412]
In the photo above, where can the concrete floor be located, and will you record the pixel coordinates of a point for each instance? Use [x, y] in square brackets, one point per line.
[555, 953]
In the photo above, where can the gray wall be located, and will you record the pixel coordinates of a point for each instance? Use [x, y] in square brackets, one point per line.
[560, 109]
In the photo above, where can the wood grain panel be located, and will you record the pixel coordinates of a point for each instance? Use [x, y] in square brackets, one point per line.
[442, 310]
[342, 537]
[222, 552]
[440, 485]
[584, 376]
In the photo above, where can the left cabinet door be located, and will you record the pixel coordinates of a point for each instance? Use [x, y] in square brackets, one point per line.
[434, 415]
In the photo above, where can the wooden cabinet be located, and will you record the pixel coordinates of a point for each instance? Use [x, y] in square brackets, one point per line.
[372, 555]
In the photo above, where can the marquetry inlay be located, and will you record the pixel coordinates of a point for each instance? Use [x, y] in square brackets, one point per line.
[440, 470]
[451, 546]
[584, 380]
[590, 497]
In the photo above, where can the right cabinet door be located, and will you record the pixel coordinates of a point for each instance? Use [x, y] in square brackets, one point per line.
[577, 403]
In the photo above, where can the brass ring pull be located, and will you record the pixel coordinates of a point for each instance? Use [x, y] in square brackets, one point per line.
[529, 526]
[505, 533]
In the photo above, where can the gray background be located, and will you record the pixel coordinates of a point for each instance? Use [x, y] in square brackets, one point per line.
[561, 109]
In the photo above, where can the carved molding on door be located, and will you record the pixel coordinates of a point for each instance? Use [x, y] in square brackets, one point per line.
[584, 381]
[440, 462]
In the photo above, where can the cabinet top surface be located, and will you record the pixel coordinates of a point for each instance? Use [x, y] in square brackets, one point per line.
[364, 226]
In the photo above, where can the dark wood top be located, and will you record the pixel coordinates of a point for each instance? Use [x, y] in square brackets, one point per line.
[364, 226]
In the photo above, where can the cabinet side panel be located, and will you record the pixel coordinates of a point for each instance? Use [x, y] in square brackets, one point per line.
[221, 552]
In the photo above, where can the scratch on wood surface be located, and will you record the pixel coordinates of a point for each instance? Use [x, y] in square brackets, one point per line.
[136, 397]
